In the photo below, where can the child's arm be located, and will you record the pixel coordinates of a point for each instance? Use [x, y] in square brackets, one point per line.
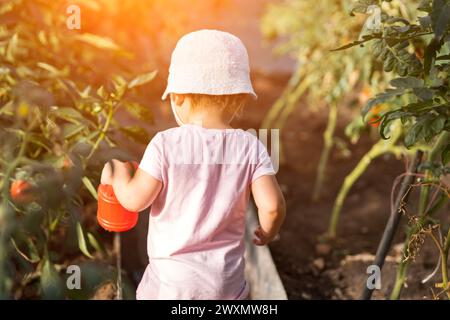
[271, 208]
[134, 193]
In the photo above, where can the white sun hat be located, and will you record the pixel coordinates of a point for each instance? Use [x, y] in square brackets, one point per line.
[209, 62]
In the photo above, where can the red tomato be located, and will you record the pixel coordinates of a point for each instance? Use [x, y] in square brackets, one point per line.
[67, 163]
[22, 192]
[419, 53]
[374, 121]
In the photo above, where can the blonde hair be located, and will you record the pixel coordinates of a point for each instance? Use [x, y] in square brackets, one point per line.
[230, 103]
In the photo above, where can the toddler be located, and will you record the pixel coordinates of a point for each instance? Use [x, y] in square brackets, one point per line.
[198, 177]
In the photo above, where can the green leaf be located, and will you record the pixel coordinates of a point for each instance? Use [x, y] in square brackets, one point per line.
[66, 113]
[142, 79]
[413, 135]
[70, 130]
[394, 55]
[416, 107]
[423, 93]
[53, 71]
[33, 252]
[361, 6]
[97, 41]
[389, 64]
[102, 92]
[443, 57]
[440, 17]
[139, 111]
[426, 127]
[388, 118]
[445, 156]
[381, 98]
[82, 241]
[407, 82]
[88, 184]
[120, 86]
[51, 283]
[85, 93]
[7, 108]
[55, 223]
[94, 243]
[437, 125]
[11, 50]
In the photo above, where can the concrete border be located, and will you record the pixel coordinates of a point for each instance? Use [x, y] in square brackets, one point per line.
[260, 270]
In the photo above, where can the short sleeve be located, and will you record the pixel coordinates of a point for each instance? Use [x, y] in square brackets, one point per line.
[152, 160]
[263, 163]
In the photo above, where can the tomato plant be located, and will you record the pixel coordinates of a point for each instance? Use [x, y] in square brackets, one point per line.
[416, 51]
[62, 94]
[397, 66]
[308, 31]
[58, 125]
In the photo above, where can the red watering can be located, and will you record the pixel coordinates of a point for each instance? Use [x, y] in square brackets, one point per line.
[110, 214]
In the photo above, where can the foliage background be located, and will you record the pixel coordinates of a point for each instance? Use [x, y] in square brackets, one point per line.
[72, 99]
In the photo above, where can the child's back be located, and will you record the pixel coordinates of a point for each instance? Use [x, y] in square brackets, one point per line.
[197, 223]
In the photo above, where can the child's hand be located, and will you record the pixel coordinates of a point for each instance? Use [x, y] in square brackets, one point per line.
[107, 173]
[271, 208]
[261, 237]
[134, 188]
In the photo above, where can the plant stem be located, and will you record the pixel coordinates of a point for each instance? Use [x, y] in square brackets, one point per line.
[6, 218]
[291, 101]
[103, 132]
[276, 109]
[347, 185]
[399, 280]
[394, 218]
[117, 249]
[381, 147]
[328, 145]
[444, 265]
[12, 166]
[402, 268]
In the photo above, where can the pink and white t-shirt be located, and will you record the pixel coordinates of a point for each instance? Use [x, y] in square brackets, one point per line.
[197, 222]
